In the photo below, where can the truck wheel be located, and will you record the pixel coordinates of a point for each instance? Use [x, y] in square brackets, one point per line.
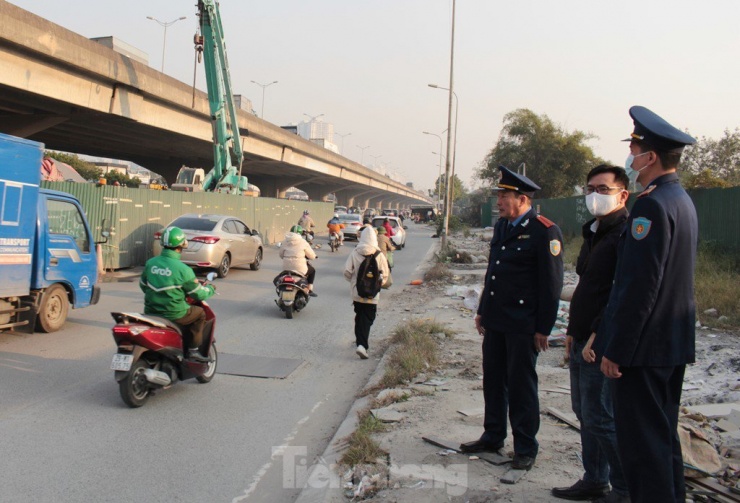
[223, 268]
[54, 308]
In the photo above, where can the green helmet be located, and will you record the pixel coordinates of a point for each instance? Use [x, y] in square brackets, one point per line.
[297, 229]
[174, 237]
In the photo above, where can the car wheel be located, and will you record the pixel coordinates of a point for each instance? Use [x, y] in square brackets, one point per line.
[224, 266]
[255, 266]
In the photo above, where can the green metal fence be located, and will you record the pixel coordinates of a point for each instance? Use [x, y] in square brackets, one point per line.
[134, 215]
[718, 211]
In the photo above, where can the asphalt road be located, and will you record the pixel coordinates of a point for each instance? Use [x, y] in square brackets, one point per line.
[68, 437]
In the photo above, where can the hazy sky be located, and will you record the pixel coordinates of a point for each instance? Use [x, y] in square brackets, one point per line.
[366, 64]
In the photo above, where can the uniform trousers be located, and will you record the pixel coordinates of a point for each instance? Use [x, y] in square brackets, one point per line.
[510, 387]
[194, 321]
[364, 318]
[646, 403]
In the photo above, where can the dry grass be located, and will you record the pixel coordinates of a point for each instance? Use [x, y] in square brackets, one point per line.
[415, 351]
[438, 273]
[716, 285]
[362, 448]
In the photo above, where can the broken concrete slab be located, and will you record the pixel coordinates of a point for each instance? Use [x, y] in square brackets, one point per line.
[387, 415]
[715, 410]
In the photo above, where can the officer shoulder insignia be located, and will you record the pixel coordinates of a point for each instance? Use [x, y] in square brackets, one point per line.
[555, 247]
[647, 191]
[640, 227]
[545, 221]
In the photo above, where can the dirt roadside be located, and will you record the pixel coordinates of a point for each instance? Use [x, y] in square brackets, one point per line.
[416, 471]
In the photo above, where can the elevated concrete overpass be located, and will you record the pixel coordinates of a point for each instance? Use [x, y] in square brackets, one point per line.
[76, 95]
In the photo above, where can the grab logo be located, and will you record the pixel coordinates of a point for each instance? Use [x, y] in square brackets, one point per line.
[160, 271]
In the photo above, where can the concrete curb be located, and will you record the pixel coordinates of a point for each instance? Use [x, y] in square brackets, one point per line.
[332, 453]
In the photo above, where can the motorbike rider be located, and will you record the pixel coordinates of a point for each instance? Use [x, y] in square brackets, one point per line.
[335, 225]
[295, 252]
[386, 245]
[306, 222]
[388, 228]
[167, 281]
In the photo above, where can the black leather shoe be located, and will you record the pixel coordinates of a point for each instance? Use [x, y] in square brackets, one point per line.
[313, 294]
[581, 491]
[195, 356]
[480, 446]
[522, 462]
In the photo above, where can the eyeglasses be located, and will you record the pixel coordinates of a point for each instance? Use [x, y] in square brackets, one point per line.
[599, 189]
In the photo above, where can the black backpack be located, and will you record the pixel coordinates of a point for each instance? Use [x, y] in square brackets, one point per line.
[369, 279]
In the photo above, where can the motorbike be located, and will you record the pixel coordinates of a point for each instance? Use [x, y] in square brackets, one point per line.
[292, 291]
[308, 236]
[151, 355]
[333, 241]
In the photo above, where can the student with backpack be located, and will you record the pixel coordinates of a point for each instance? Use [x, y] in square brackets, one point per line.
[366, 269]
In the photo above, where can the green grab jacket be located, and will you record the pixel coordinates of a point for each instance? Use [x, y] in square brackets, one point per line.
[166, 282]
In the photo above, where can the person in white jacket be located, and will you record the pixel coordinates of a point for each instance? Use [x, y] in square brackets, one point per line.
[295, 252]
[365, 309]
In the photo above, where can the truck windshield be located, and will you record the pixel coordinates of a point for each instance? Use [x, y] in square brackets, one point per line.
[185, 176]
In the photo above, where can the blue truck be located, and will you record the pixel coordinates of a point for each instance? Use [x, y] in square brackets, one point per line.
[48, 260]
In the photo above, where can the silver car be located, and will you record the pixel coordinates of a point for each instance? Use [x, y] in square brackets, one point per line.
[352, 224]
[217, 242]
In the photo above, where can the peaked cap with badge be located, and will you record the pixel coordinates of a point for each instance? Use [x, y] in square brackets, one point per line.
[653, 131]
[516, 182]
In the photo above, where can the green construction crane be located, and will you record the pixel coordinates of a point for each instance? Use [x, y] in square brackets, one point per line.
[225, 176]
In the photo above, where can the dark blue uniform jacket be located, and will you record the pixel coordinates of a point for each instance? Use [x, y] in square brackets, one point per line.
[524, 277]
[650, 317]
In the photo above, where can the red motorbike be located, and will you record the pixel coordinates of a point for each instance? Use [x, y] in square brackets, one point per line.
[151, 357]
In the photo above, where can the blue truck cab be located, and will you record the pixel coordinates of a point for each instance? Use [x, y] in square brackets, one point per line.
[48, 260]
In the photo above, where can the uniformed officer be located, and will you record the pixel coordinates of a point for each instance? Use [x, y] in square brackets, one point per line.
[517, 310]
[646, 335]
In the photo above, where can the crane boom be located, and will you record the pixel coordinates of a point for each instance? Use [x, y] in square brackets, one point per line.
[224, 177]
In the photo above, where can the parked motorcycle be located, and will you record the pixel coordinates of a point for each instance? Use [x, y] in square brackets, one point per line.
[333, 241]
[292, 291]
[151, 355]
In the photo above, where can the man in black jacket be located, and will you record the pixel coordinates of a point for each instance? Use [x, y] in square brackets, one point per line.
[517, 311]
[591, 394]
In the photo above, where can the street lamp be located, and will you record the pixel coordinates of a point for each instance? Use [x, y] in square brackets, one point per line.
[263, 86]
[449, 130]
[362, 156]
[312, 117]
[342, 136]
[439, 176]
[454, 148]
[165, 25]
[375, 159]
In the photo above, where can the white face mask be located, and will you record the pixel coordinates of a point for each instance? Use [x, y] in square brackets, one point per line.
[602, 204]
[633, 174]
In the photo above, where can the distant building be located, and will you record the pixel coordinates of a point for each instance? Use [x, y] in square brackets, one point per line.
[243, 103]
[107, 167]
[122, 47]
[292, 128]
[316, 130]
[326, 144]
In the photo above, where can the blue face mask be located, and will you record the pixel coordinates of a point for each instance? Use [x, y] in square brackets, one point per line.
[632, 174]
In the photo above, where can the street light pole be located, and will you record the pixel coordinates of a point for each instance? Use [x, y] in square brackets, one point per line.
[375, 159]
[439, 176]
[362, 156]
[454, 148]
[263, 86]
[165, 25]
[312, 117]
[341, 135]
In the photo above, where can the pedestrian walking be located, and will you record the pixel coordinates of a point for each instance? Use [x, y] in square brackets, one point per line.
[517, 311]
[646, 335]
[590, 391]
[366, 270]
